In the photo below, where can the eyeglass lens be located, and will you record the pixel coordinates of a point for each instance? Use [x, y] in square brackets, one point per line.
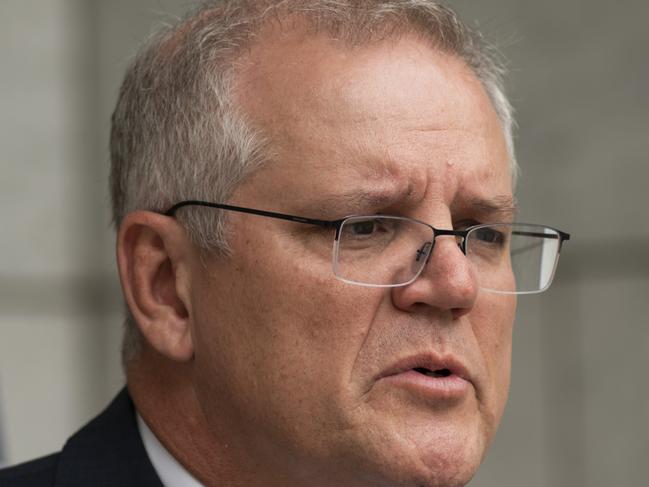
[392, 251]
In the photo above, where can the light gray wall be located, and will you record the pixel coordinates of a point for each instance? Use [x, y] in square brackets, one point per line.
[579, 408]
[578, 413]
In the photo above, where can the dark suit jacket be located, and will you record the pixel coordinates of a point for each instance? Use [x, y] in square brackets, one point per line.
[108, 451]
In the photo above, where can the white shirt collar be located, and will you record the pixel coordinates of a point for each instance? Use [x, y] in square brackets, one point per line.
[170, 471]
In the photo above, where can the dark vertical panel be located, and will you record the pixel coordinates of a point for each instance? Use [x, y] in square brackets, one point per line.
[3, 455]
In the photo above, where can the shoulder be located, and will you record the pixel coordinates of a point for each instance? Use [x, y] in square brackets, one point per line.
[107, 451]
[36, 473]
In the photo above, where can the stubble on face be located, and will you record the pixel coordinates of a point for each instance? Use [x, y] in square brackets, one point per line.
[289, 360]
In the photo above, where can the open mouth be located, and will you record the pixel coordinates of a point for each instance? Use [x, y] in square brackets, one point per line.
[442, 380]
[433, 373]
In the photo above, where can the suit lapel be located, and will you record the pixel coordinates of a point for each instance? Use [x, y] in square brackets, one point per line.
[108, 451]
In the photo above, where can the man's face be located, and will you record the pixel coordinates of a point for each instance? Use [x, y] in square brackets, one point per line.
[312, 375]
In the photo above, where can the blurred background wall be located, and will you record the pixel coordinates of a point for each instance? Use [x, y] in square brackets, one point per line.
[579, 408]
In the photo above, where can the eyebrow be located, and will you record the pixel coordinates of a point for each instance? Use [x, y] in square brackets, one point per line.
[364, 198]
[501, 205]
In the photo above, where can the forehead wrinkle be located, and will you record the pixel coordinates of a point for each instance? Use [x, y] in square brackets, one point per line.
[372, 181]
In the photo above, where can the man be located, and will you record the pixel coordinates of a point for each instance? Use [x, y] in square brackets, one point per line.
[314, 203]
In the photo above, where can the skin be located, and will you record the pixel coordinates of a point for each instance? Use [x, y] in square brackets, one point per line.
[261, 368]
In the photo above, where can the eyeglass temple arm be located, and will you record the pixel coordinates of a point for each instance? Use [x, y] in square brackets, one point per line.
[562, 236]
[293, 218]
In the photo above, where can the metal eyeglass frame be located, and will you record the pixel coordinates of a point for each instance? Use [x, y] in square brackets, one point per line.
[337, 224]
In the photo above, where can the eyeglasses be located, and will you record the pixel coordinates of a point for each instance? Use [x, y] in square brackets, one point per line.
[391, 251]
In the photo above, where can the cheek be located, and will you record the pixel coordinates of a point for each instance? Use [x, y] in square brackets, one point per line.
[285, 330]
[322, 315]
[493, 319]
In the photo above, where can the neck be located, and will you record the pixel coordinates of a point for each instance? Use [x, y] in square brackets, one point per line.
[165, 398]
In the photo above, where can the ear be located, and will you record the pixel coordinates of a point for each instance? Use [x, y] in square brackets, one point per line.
[154, 258]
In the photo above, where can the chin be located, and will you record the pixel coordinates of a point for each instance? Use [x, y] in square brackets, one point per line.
[454, 467]
[448, 471]
[442, 474]
[442, 459]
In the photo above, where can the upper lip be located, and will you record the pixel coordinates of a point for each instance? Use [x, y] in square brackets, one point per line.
[429, 361]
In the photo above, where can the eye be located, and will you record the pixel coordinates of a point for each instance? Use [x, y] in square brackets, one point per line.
[489, 235]
[362, 227]
[495, 237]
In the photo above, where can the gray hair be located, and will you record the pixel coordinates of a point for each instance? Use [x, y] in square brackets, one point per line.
[177, 133]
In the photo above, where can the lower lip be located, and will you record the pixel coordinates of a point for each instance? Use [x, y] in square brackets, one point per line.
[451, 388]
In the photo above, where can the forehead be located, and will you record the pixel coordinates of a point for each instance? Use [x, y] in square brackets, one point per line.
[395, 115]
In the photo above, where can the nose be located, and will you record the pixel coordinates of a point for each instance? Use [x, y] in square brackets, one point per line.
[447, 282]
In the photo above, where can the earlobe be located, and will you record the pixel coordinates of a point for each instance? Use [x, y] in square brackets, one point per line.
[154, 259]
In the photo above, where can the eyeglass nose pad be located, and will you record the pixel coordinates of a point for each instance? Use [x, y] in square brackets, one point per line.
[461, 242]
[425, 251]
